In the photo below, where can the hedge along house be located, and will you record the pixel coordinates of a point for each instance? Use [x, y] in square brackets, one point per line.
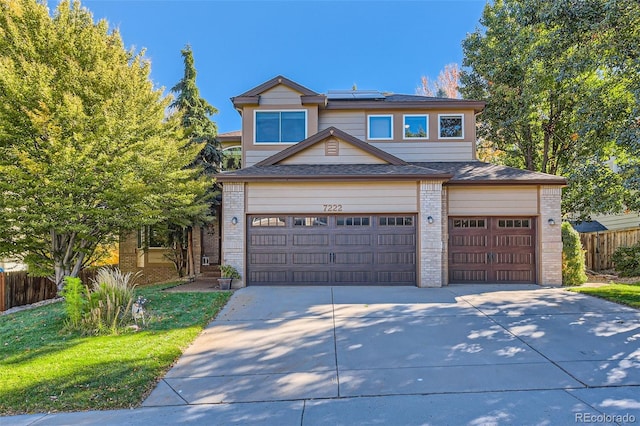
[365, 188]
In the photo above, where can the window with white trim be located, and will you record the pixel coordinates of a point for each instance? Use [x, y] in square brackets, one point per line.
[280, 126]
[415, 126]
[451, 126]
[380, 127]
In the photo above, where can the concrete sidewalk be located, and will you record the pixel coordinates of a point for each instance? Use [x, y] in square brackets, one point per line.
[404, 355]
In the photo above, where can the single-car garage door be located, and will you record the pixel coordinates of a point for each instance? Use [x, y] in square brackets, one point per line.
[492, 250]
[331, 250]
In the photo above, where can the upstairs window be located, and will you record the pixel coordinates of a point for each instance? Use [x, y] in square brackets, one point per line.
[416, 126]
[380, 127]
[451, 126]
[280, 126]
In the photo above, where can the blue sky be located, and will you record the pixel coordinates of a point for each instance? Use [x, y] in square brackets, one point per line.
[323, 45]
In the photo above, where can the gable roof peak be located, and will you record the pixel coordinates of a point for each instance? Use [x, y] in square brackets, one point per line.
[275, 81]
[327, 133]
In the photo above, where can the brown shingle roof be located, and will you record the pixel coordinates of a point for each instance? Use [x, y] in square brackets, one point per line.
[332, 172]
[478, 172]
[399, 101]
[454, 173]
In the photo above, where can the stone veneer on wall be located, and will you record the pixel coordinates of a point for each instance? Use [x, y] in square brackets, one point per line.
[550, 236]
[233, 235]
[431, 247]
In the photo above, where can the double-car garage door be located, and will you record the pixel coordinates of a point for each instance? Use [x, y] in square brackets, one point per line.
[331, 249]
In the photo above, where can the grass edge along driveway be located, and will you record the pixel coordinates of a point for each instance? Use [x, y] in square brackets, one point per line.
[625, 294]
[45, 370]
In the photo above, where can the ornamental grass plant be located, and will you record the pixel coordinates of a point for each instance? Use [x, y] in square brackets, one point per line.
[102, 308]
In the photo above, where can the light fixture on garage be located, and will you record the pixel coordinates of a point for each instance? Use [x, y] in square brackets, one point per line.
[551, 222]
[430, 219]
[234, 221]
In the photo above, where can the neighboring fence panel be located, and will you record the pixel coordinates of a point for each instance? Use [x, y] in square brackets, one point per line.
[2, 292]
[20, 289]
[599, 246]
[17, 288]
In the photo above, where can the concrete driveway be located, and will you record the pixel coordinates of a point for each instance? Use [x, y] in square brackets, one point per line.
[378, 355]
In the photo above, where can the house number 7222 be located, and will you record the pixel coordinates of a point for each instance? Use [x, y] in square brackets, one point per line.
[332, 207]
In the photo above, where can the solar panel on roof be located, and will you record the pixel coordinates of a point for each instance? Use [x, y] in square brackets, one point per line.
[354, 94]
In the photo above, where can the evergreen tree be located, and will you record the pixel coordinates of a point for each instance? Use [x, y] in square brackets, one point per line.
[195, 114]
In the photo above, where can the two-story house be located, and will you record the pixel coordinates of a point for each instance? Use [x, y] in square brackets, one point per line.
[367, 188]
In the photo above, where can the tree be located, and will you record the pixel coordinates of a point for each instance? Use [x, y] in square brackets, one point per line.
[86, 149]
[446, 86]
[195, 115]
[552, 104]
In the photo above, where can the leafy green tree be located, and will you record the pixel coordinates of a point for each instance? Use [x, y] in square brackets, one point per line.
[552, 104]
[86, 149]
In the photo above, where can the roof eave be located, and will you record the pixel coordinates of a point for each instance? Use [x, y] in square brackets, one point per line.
[332, 178]
[510, 182]
[477, 106]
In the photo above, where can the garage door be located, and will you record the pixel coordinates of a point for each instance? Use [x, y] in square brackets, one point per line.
[492, 250]
[331, 250]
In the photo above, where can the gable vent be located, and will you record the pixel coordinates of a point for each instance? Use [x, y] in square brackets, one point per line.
[331, 147]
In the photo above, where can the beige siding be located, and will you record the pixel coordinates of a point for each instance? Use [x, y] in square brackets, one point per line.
[280, 95]
[351, 122]
[252, 157]
[619, 221]
[493, 201]
[311, 198]
[155, 255]
[428, 151]
[348, 154]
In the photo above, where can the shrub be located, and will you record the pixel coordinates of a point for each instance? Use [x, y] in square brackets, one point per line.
[103, 308]
[74, 301]
[627, 260]
[573, 268]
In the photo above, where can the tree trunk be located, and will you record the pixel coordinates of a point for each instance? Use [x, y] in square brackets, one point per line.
[190, 264]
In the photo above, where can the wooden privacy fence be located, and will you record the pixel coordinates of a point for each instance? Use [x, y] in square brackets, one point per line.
[17, 288]
[599, 246]
[20, 289]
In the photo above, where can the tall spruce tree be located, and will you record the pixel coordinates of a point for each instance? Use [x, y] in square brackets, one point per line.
[196, 115]
[86, 149]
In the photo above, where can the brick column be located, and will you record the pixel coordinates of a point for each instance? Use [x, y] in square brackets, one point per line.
[128, 252]
[445, 236]
[431, 247]
[550, 236]
[233, 235]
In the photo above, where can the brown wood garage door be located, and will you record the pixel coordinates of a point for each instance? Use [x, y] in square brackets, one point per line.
[331, 250]
[492, 250]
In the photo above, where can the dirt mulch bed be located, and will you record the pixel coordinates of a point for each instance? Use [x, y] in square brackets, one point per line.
[610, 276]
[198, 285]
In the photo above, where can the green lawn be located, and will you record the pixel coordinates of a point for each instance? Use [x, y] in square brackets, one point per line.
[626, 294]
[43, 369]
